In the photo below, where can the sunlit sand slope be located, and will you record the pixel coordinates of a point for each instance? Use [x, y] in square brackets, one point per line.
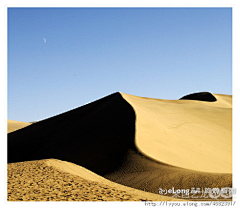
[55, 180]
[15, 125]
[138, 142]
[189, 134]
[140, 172]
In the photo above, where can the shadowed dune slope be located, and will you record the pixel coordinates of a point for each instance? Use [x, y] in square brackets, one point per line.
[140, 172]
[55, 180]
[201, 96]
[95, 136]
[138, 142]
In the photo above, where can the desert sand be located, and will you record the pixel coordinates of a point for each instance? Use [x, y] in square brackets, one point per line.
[185, 133]
[55, 180]
[13, 125]
[141, 143]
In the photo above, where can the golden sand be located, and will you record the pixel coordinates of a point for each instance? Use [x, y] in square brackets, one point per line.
[15, 125]
[195, 135]
[123, 147]
[55, 180]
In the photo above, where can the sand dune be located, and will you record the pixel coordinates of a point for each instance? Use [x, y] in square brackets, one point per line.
[185, 133]
[55, 180]
[95, 136]
[201, 96]
[15, 125]
[140, 172]
[139, 142]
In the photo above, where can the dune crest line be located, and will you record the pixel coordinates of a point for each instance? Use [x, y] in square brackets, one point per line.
[95, 136]
[189, 134]
[138, 142]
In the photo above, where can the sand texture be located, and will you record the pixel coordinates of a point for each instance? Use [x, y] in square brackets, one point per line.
[55, 180]
[189, 134]
[142, 143]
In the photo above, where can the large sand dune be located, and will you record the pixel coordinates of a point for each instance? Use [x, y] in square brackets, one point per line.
[185, 133]
[95, 136]
[138, 142]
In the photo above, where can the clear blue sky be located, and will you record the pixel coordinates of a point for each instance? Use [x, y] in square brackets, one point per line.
[89, 53]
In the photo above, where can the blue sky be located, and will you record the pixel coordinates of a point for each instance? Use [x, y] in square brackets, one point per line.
[89, 53]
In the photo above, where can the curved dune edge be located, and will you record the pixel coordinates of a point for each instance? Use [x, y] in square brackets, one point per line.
[95, 136]
[141, 172]
[55, 180]
[88, 175]
[189, 134]
[201, 96]
[13, 125]
[223, 100]
[100, 136]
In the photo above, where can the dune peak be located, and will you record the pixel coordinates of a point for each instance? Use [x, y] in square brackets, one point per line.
[139, 142]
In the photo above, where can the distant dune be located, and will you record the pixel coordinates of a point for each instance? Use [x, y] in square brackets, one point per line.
[138, 142]
[185, 133]
[202, 96]
[15, 125]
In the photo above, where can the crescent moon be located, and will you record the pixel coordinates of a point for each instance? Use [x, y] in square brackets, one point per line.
[44, 40]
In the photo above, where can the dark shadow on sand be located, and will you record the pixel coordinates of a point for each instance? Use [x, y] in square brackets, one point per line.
[201, 96]
[95, 136]
[100, 136]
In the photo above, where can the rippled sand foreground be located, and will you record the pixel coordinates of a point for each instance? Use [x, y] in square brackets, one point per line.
[39, 181]
[123, 148]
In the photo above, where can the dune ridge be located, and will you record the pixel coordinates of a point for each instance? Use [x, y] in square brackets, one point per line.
[138, 142]
[15, 125]
[95, 136]
[188, 134]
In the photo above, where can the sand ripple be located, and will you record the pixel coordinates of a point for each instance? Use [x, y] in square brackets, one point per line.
[36, 181]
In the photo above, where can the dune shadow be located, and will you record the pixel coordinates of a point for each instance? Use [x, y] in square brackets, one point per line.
[140, 172]
[201, 96]
[100, 136]
[95, 136]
